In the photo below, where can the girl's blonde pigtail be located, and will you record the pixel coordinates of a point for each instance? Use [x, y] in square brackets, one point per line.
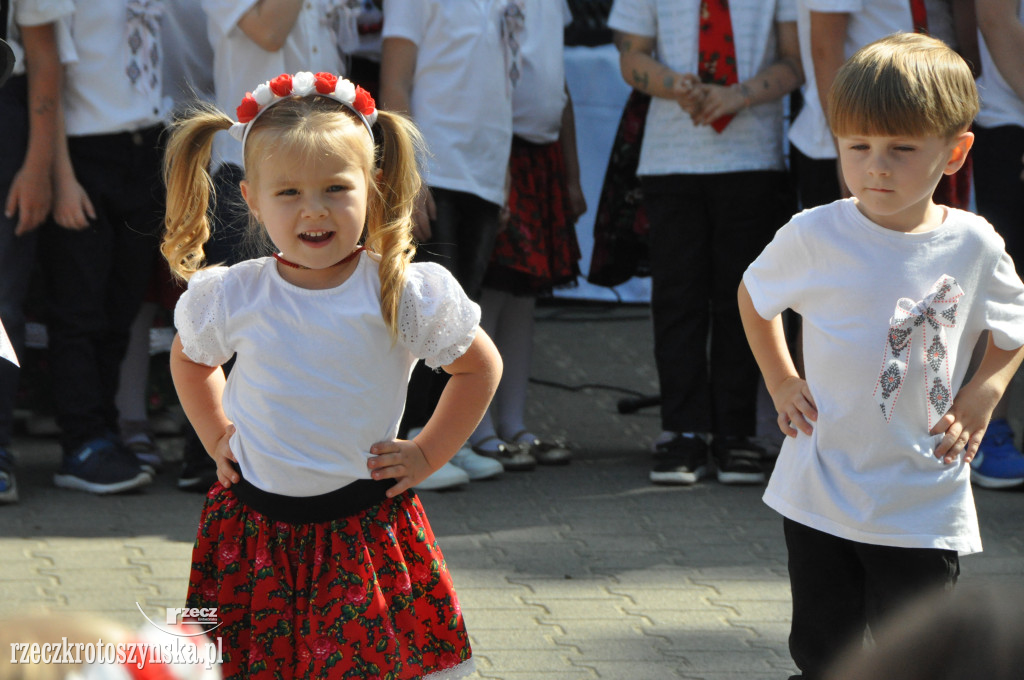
[390, 210]
[189, 188]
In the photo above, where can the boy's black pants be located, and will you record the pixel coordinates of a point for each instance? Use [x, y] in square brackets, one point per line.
[841, 586]
[97, 277]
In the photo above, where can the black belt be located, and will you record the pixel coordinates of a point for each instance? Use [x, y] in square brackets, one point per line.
[349, 500]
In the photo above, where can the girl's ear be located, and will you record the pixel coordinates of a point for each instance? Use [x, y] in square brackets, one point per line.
[250, 199]
[958, 155]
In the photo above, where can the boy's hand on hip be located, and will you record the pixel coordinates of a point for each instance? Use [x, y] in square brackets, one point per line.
[401, 460]
[965, 423]
[796, 407]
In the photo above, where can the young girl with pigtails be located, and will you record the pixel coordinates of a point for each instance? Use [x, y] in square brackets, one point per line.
[313, 546]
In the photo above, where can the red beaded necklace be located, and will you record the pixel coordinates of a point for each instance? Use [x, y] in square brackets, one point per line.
[348, 258]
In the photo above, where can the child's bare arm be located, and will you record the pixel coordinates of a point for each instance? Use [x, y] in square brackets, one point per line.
[475, 377]
[965, 423]
[397, 70]
[1004, 34]
[828, 38]
[788, 390]
[200, 389]
[269, 22]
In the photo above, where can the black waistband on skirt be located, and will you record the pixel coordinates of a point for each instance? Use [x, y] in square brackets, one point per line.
[349, 500]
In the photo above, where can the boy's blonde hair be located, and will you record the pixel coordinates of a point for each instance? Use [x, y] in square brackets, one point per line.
[903, 84]
[310, 126]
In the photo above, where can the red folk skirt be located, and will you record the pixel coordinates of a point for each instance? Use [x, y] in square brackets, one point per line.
[364, 596]
[537, 251]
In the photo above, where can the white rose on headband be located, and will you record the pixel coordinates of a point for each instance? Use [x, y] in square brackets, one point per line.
[345, 91]
[302, 83]
[262, 95]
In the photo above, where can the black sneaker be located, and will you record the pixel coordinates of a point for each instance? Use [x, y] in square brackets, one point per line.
[738, 460]
[681, 460]
[100, 466]
[8, 485]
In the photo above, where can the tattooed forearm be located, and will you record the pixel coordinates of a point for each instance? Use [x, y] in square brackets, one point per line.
[43, 106]
[641, 80]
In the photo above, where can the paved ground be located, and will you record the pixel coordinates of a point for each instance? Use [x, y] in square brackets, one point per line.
[586, 571]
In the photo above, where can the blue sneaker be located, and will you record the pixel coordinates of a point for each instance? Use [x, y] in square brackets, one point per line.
[100, 466]
[999, 464]
[8, 487]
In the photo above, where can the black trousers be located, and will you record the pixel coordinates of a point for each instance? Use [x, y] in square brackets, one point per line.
[96, 278]
[998, 187]
[840, 587]
[462, 239]
[17, 253]
[705, 231]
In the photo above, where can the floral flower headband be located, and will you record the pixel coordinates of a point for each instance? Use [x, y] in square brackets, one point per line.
[301, 84]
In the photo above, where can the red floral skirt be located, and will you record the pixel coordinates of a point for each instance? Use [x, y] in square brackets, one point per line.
[537, 250]
[365, 596]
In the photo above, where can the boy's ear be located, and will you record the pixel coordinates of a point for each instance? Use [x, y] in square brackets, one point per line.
[962, 144]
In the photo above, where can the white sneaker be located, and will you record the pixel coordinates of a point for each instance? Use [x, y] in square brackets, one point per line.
[475, 465]
[445, 477]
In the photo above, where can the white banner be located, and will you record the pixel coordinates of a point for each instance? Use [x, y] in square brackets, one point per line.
[6, 348]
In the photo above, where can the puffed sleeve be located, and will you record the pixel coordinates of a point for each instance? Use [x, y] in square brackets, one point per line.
[436, 320]
[201, 318]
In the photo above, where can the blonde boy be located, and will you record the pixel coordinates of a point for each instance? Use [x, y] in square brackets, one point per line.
[873, 480]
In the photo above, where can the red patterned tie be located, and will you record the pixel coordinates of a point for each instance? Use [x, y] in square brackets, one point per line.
[716, 52]
[919, 15]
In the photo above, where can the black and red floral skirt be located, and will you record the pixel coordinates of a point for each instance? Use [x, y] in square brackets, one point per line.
[537, 251]
[364, 596]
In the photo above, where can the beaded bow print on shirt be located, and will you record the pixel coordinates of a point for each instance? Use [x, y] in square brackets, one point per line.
[935, 313]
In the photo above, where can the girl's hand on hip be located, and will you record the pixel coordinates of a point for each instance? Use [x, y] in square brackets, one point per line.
[223, 457]
[401, 460]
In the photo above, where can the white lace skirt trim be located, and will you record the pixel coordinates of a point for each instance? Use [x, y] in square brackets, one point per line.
[460, 671]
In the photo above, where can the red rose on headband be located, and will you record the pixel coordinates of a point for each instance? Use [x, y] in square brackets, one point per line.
[281, 85]
[364, 103]
[248, 109]
[325, 82]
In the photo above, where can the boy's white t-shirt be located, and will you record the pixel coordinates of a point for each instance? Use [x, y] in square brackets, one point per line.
[99, 97]
[461, 94]
[672, 143]
[240, 65]
[317, 379]
[869, 21]
[858, 476]
[1000, 105]
[539, 97]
